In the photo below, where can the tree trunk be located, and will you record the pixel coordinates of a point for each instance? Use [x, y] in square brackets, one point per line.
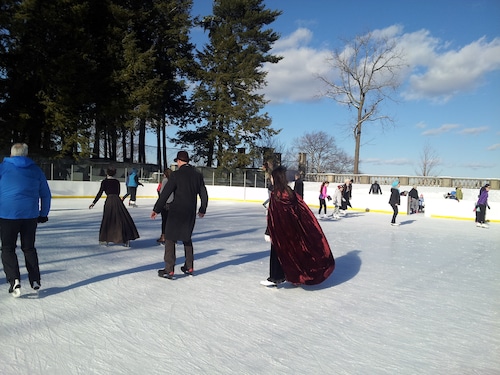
[159, 125]
[124, 143]
[131, 146]
[211, 147]
[142, 141]
[357, 138]
[96, 150]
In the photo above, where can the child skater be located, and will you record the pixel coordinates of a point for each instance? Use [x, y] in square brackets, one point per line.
[337, 201]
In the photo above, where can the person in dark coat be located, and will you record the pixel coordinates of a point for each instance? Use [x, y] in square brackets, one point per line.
[299, 185]
[164, 212]
[346, 195]
[375, 188]
[413, 194]
[395, 201]
[297, 240]
[117, 225]
[187, 184]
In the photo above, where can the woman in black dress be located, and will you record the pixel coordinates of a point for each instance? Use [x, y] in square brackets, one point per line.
[117, 225]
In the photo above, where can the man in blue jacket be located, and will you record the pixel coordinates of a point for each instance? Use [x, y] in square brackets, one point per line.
[24, 202]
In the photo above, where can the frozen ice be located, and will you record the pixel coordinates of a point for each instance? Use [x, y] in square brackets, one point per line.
[421, 298]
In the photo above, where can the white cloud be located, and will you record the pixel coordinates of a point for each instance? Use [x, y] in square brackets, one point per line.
[440, 76]
[300, 37]
[388, 32]
[494, 147]
[472, 131]
[294, 77]
[435, 72]
[399, 161]
[442, 129]
[476, 166]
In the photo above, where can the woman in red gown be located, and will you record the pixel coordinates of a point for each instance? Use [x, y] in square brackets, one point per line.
[297, 240]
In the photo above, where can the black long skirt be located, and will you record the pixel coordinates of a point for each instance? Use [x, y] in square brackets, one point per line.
[117, 225]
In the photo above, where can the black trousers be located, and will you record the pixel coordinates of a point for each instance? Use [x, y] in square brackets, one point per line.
[481, 213]
[275, 270]
[322, 203]
[132, 191]
[10, 229]
[395, 209]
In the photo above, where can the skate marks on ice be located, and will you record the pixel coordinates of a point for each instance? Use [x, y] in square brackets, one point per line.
[396, 302]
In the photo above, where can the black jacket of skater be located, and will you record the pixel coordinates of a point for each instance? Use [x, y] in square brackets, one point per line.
[187, 184]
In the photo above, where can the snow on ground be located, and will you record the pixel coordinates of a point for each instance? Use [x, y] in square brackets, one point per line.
[421, 298]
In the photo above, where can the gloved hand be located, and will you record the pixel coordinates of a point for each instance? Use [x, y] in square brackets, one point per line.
[42, 219]
[329, 198]
[267, 238]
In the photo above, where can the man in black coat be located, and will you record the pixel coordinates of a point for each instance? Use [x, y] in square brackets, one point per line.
[187, 184]
[299, 185]
[375, 188]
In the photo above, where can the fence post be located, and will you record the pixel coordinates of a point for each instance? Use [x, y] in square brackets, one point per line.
[446, 182]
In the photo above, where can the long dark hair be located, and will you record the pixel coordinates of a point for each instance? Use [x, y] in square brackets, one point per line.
[280, 181]
[323, 184]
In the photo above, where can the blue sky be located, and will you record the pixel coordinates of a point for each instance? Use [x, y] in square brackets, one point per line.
[449, 99]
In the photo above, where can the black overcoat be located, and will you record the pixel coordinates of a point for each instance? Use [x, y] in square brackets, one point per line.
[187, 184]
[395, 197]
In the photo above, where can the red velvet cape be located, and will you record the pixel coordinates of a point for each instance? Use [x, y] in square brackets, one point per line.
[301, 246]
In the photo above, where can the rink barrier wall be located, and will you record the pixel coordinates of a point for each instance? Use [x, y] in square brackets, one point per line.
[436, 206]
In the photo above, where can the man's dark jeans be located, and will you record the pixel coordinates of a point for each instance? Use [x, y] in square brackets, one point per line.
[10, 229]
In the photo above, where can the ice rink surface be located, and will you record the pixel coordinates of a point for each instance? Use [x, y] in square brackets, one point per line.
[421, 298]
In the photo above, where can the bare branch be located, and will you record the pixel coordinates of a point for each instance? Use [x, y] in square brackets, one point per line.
[429, 160]
[367, 70]
[323, 155]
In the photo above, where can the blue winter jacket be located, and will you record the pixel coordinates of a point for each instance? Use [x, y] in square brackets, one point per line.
[133, 179]
[24, 191]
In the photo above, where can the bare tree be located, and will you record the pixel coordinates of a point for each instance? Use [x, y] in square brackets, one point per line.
[429, 160]
[323, 155]
[367, 73]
